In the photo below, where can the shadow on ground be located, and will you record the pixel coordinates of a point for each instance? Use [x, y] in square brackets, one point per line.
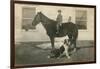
[29, 53]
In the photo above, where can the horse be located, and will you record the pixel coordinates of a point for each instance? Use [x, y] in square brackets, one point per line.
[68, 28]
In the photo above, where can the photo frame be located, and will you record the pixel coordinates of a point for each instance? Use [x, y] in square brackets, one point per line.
[32, 43]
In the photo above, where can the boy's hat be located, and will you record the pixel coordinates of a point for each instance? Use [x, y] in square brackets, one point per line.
[59, 10]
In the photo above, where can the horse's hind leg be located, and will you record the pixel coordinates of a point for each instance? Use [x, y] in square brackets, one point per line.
[70, 40]
[74, 42]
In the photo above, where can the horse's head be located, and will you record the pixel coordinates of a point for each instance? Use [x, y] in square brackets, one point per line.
[36, 20]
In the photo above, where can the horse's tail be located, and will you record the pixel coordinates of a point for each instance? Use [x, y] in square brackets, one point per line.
[75, 32]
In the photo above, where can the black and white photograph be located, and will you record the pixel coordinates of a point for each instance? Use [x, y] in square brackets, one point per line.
[54, 34]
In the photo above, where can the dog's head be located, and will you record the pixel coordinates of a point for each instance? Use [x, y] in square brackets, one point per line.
[66, 42]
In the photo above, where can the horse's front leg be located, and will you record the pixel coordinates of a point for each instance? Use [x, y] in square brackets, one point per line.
[52, 42]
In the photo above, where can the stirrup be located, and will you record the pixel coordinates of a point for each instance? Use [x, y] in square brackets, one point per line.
[57, 32]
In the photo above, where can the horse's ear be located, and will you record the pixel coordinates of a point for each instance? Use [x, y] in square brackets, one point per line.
[38, 12]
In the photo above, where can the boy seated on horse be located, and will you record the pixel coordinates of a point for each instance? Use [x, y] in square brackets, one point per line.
[59, 20]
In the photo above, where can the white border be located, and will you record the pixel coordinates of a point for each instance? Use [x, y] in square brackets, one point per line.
[5, 34]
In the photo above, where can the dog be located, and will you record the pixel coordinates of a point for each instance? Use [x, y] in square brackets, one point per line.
[63, 50]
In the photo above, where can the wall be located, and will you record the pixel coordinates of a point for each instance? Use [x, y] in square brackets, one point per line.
[51, 12]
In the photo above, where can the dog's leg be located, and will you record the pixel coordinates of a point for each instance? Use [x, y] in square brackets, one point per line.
[67, 54]
[66, 51]
[60, 56]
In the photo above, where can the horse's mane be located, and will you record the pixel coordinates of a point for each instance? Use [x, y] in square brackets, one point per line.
[48, 18]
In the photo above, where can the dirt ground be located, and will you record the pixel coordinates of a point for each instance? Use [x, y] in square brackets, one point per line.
[29, 53]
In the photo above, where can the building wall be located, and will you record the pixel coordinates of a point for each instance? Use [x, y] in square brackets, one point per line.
[51, 12]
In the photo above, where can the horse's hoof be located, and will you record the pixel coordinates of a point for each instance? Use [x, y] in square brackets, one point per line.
[68, 57]
[48, 56]
[74, 50]
[58, 57]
